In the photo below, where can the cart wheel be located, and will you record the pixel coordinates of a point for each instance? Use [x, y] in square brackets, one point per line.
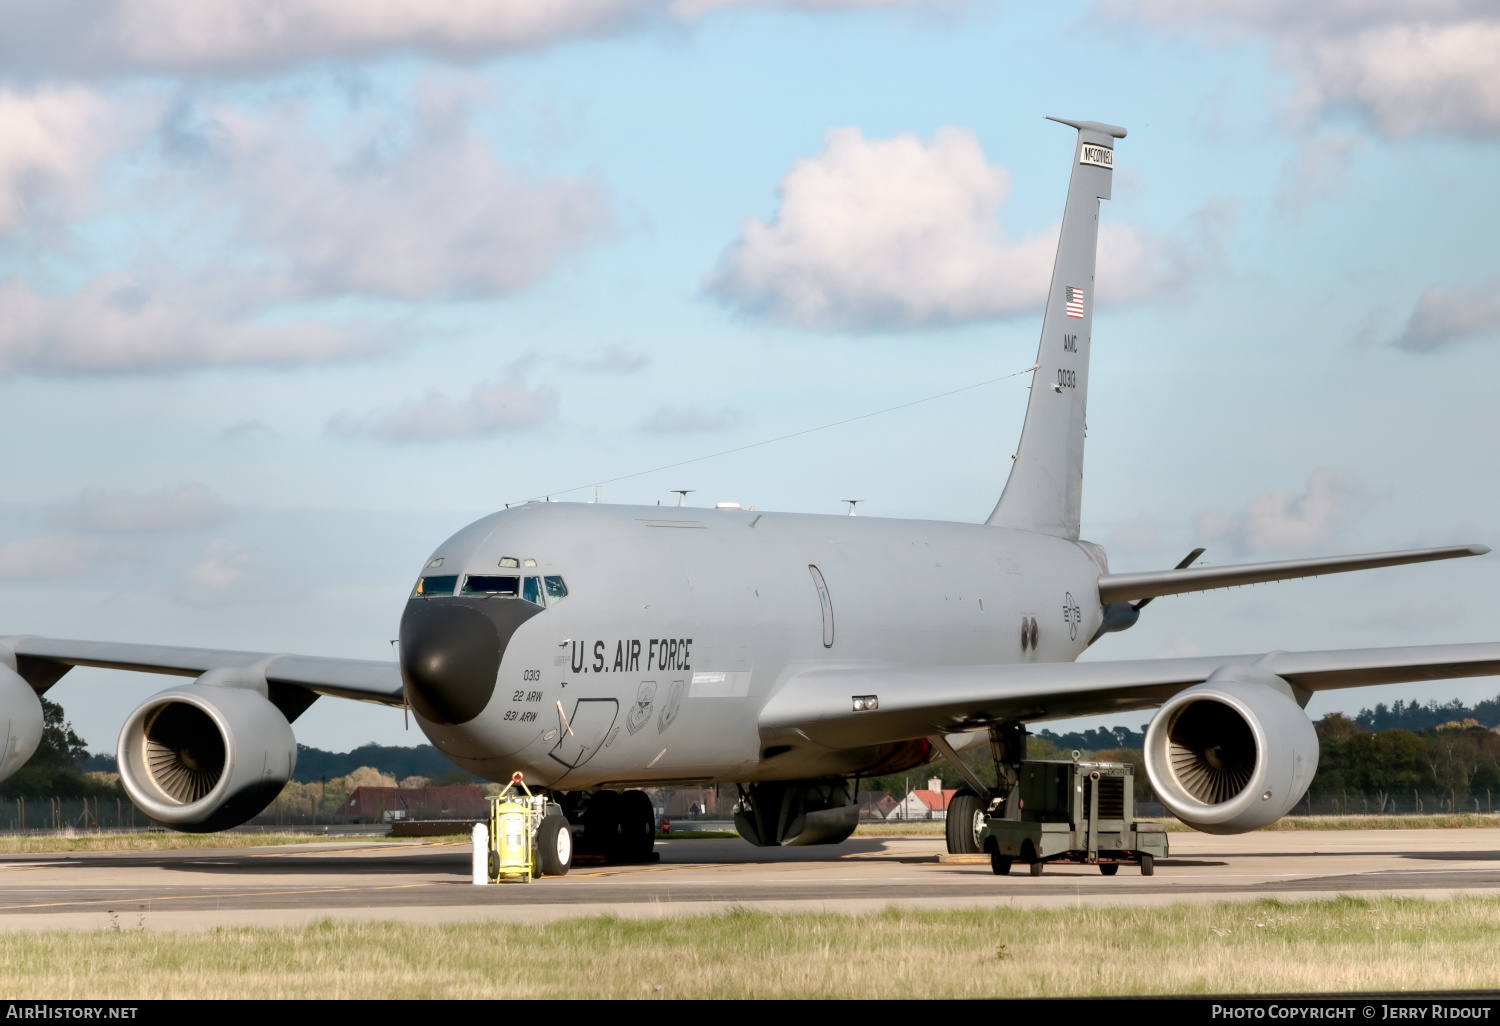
[494, 865]
[999, 864]
[1036, 868]
[1148, 865]
[1109, 868]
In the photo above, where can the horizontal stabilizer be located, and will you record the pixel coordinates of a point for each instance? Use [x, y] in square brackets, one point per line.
[1155, 583]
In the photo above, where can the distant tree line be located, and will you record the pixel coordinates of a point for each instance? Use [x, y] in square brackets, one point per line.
[1415, 716]
[1096, 739]
[1456, 757]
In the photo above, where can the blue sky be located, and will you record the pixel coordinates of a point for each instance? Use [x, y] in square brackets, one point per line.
[284, 303]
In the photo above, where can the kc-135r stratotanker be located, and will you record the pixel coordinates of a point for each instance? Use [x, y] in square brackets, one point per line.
[603, 648]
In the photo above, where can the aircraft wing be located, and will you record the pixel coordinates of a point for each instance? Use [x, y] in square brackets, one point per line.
[918, 702]
[41, 661]
[1154, 583]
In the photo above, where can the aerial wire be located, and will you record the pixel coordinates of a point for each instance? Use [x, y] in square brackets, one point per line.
[783, 438]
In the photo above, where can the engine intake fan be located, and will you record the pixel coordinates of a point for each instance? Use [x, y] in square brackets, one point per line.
[1212, 750]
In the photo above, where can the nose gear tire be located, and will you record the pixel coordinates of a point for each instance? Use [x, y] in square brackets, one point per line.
[554, 845]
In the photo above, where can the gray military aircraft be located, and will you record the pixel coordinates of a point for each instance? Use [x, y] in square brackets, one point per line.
[604, 648]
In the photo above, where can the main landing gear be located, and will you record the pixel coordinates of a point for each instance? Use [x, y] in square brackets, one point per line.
[611, 826]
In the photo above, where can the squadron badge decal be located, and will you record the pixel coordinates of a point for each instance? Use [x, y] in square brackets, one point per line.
[640, 712]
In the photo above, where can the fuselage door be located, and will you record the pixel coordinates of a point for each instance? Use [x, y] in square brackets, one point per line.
[586, 728]
[825, 602]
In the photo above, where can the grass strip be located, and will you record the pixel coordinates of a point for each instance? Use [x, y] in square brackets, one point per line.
[1437, 821]
[1344, 944]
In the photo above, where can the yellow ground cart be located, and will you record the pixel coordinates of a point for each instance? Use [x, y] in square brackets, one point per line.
[529, 835]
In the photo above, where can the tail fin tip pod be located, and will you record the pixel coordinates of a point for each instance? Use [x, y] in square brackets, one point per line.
[1045, 490]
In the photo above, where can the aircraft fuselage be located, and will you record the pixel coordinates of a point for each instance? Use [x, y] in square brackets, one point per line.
[680, 623]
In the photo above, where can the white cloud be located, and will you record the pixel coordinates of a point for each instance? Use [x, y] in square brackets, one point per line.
[187, 507]
[52, 144]
[124, 322]
[1411, 76]
[226, 573]
[886, 233]
[61, 555]
[1404, 65]
[691, 420]
[281, 214]
[417, 211]
[501, 407]
[1278, 521]
[697, 8]
[235, 37]
[1446, 317]
[225, 37]
[902, 232]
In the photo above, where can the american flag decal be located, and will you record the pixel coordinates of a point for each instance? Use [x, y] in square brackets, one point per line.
[1073, 295]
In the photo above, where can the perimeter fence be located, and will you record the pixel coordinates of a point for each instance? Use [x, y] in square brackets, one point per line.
[49, 815]
[45, 815]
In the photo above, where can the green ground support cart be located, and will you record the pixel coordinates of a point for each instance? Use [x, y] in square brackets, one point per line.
[1081, 812]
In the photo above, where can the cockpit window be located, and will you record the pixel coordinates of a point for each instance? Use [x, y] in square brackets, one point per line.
[556, 590]
[533, 591]
[486, 584]
[509, 561]
[427, 587]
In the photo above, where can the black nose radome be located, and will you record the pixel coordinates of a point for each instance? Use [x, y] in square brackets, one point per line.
[451, 650]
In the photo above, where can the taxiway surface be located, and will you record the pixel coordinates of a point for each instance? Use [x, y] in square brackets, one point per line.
[429, 881]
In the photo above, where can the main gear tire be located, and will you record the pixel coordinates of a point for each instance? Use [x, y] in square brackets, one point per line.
[601, 823]
[635, 836]
[966, 822]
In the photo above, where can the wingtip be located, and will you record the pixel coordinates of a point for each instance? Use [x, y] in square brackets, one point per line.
[1479, 550]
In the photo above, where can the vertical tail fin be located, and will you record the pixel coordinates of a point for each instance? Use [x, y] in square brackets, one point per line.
[1045, 489]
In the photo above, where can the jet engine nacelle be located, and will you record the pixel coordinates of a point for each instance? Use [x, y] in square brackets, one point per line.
[1233, 753]
[795, 812]
[21, 719]
[207, 756]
